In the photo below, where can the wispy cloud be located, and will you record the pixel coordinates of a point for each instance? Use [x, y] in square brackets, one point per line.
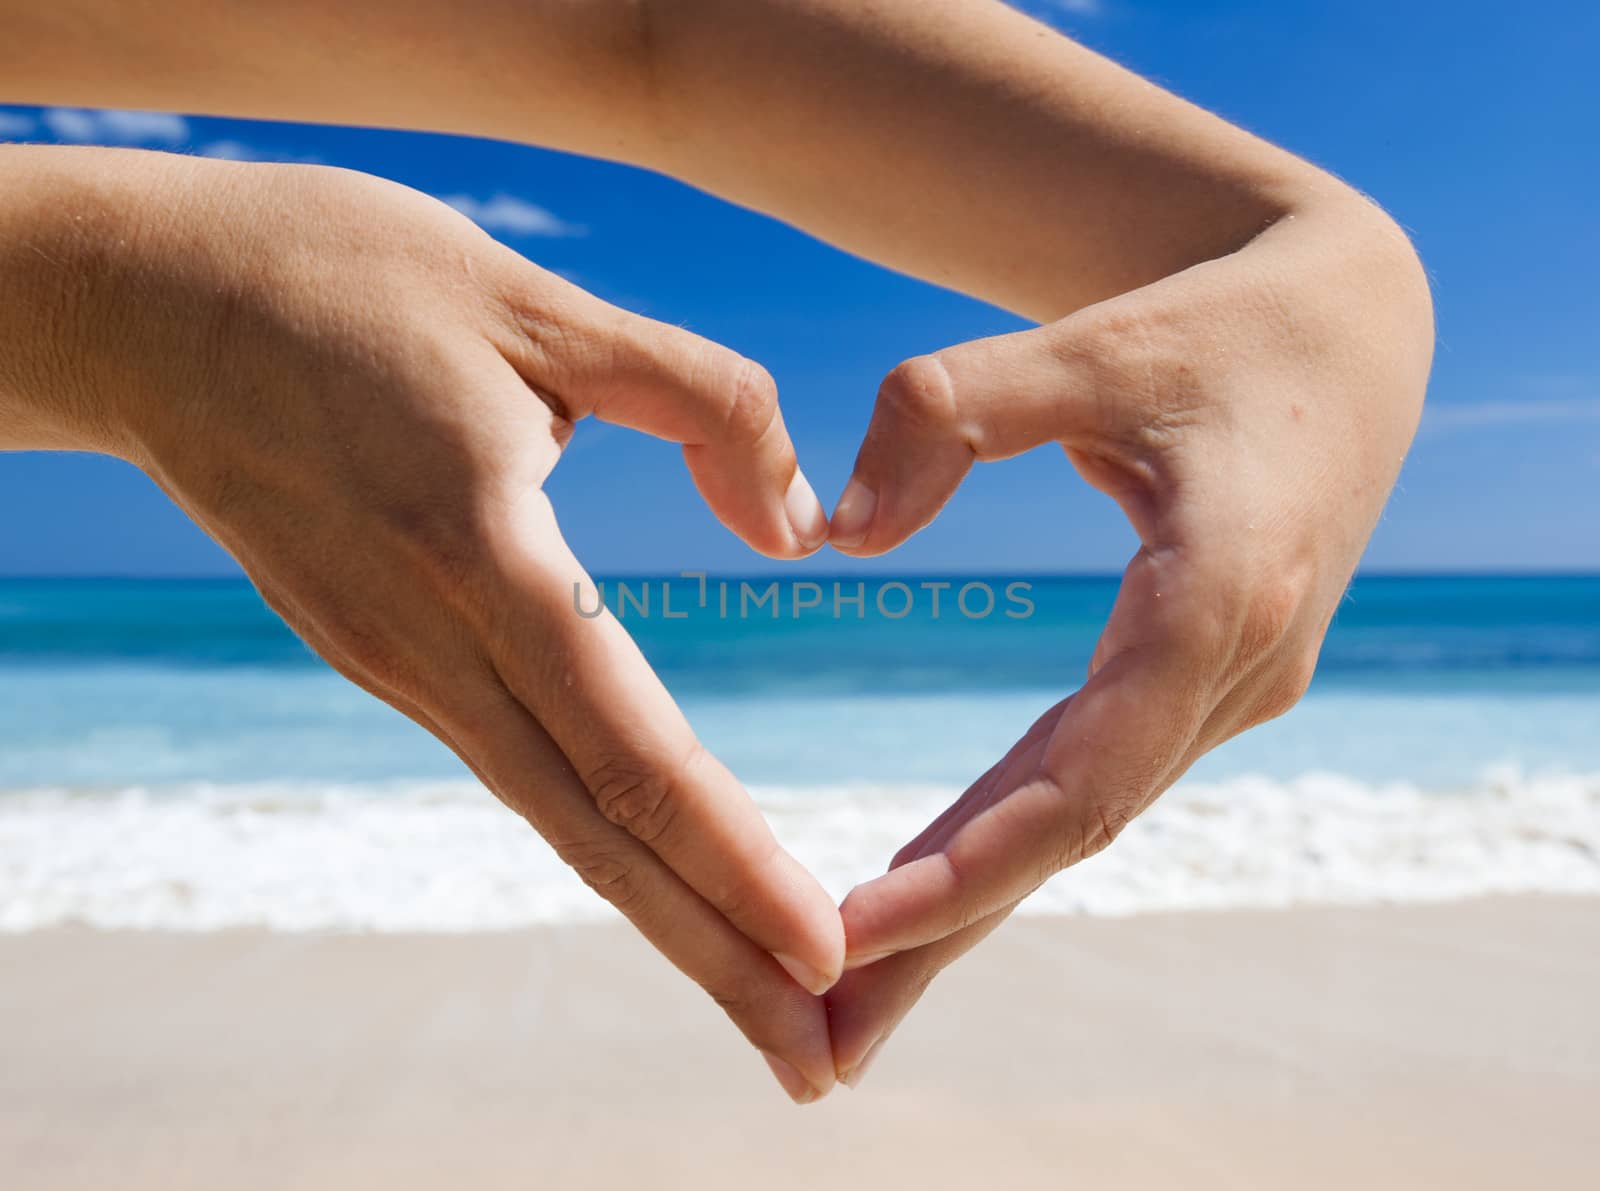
[512, 216]
[87, 126]
[110, 127]
[15, 124]
[1474, 415]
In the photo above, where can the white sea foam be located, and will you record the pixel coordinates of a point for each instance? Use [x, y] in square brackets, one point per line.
[446, 857]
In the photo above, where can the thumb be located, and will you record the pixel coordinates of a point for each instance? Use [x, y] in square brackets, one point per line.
[660, 379]
[938, 414]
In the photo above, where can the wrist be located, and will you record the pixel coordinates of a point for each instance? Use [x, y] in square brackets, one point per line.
[1360, 268]
[85, 240]
[55, 206]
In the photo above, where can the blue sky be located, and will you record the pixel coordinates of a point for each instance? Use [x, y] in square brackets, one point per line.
[1477, 124]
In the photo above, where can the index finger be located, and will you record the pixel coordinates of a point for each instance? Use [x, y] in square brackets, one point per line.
[586, 682]
[1115, 746]
[668, 382]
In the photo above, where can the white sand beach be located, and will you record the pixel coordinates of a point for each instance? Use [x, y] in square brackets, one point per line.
[1453, 1046]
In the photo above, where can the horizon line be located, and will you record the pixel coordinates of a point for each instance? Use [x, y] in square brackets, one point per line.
[811, 576]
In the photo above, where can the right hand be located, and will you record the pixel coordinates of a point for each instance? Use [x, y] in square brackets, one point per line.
[359, 394]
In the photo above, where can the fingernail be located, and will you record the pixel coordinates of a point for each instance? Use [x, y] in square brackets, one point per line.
[798, 1087]
[806, 518]
[807, 977]
[852, 518]
[852, 1078]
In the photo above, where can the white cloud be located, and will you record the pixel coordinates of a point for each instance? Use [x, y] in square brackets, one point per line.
[512, 216]
[15, 124]
[110, 127]
[1474, 415]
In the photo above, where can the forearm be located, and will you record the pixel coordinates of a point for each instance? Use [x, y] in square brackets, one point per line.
[554, 72]
[962, 142]
[955, 140]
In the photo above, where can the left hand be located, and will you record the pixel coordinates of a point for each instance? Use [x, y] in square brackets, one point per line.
[1250, 416]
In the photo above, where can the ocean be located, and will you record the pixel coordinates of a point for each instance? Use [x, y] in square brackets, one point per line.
[171, 757]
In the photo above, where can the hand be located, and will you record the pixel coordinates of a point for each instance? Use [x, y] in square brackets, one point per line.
[1250, 416]
[360, 394]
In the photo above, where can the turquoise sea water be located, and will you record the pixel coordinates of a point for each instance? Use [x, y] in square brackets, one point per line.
[170, 755]
[110, 682]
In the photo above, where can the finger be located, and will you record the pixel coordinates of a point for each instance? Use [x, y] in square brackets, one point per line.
[586, 682]
[868, 1004]
[870, 1001]
[520, 762]
[1024, 759]
[1109, 754]
[857, 1023]
[871, 998]
[935, 832]
[667, 382]
[938, 414]
[501, 740]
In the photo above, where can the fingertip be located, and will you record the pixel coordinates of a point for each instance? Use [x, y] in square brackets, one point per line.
[857, 914]
[853, 515]
[862, 1011]
[852, 1077]
[806, 936]
[796, 1086]
[813, 980]
[899, 911]
[807, 519]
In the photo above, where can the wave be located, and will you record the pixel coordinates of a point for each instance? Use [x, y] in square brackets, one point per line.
[444, 856]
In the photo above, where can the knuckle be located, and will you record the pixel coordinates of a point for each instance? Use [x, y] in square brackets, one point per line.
[1095, 829]
[918, 392]
[964, 903]
[548, 341]
[749, 400]
[737, 1003]
[1088, 827]
[635, 795]
[1110, 340]
[1115, 347]
[604, 868]
[1109, 819]
[968, 908]
[1287, 689]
